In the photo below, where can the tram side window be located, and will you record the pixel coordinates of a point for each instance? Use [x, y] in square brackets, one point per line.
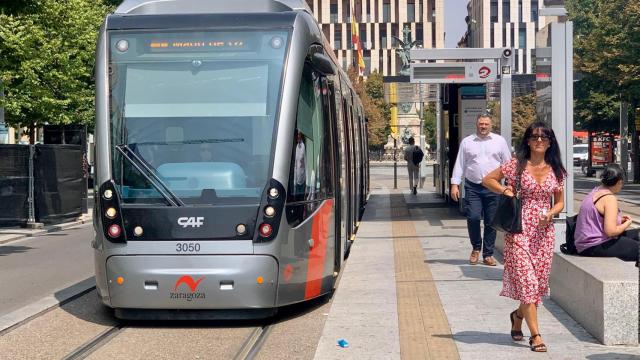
[307, 179]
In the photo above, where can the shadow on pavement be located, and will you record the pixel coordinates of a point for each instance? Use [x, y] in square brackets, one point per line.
[8, 249]
[611, 355]
[567, 321]
[481, 337]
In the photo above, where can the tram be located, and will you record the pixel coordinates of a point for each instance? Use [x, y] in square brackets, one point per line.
[231, 162]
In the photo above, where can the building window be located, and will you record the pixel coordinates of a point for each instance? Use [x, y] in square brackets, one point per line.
[383, 36]
[337, 38]
[519, 10]
[433, 34]
[333, 11]
[534, 11]
[349, 39]
[397, 10]
[522, 37]
[386, 12]
[369, 18]
[363, 36]
[504, 35]
[420, 17]
[366, 55]
[346, 11]
[420, 32]
[513, 40]
[494, 11]
[411, 12]
[506, 12]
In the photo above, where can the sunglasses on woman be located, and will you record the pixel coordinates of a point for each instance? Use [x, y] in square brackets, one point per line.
[543, 138]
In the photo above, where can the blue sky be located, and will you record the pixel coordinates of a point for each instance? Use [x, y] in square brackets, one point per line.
[454, 25]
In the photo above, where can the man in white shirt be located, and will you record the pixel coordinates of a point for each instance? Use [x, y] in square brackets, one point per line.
[299, 170]
[478, 155]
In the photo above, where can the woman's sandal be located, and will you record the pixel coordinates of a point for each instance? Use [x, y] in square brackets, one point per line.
[516, 335]
[537, 348]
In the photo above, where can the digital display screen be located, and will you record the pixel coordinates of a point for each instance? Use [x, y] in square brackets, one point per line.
[194, 45]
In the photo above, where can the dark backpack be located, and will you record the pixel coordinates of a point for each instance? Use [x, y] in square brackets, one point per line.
[418, 155]
[569, 247]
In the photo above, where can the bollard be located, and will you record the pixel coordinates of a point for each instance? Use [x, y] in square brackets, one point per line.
[395, 165]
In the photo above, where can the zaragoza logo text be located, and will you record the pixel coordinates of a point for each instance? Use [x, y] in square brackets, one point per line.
[193, 286]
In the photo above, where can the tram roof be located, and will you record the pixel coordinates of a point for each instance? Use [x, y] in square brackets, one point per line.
[167, 7]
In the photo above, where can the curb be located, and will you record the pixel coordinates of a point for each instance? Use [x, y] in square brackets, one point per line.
[49, 302]
[13, 234]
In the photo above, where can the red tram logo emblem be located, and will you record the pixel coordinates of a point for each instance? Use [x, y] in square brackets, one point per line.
[484, 72]
[193, 286]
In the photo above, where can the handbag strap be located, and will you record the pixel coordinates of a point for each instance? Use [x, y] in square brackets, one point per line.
[518, 180]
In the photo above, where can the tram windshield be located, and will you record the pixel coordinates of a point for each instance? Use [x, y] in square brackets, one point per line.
[196, 110]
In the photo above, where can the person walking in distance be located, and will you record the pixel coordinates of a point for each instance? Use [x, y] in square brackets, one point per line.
[527, 255]
[413, 155]
[479, 154]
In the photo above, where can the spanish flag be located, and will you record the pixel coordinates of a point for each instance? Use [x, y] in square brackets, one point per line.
[357, 46]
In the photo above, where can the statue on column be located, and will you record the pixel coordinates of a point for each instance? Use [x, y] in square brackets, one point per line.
[404, 49]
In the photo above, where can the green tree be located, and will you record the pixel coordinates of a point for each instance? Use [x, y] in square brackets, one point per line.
[371, 93]
[429, 125]
[607, 49]
[46, 61]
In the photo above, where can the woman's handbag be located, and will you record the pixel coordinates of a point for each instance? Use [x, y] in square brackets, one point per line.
[508, 217]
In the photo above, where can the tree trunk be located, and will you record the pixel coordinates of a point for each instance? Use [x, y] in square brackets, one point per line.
[635, 143]
[32, 133]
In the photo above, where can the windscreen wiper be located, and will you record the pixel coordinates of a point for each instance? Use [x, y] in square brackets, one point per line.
[149, 175]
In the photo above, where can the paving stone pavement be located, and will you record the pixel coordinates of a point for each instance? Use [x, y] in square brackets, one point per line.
[478, 317]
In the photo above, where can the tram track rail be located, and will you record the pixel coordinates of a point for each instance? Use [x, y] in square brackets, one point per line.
[253, 343]
[94, 344]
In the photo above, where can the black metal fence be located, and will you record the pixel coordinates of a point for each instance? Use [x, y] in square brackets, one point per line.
[58, 183]
[14, 184]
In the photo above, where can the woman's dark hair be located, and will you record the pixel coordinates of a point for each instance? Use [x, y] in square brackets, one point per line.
[612, 174]
[551, 156]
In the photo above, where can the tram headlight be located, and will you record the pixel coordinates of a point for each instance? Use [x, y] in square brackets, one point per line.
[277, 42]
[273, 193]
[266, 230]
[122, 45]
[108, 194]
[111, 213]
[269, 211]
[241, 229]
[137, 231]
[114, 230]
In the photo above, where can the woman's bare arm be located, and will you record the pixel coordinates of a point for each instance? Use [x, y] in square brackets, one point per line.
[493, 182]
[611, 226]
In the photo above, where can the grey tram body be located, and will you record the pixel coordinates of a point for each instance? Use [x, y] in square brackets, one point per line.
[293, 263]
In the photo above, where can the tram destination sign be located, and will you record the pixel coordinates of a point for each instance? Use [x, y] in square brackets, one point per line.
[461, 72]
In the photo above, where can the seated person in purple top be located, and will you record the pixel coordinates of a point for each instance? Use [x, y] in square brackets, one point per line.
[601, 230]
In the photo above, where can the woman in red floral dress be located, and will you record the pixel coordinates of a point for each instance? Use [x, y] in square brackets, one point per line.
[527, 255]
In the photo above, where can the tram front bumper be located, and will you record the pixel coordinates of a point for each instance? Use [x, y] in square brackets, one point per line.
[192, 282]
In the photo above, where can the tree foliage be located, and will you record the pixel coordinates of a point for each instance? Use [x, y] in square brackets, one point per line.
[429, 125]
[46, 60]
[607, 49]
[371, 93]
[523, 113]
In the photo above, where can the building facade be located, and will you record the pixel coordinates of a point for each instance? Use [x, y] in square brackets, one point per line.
[379, 21]
[505, 23]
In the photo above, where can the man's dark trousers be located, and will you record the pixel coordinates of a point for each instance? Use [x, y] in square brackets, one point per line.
[480, 202]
